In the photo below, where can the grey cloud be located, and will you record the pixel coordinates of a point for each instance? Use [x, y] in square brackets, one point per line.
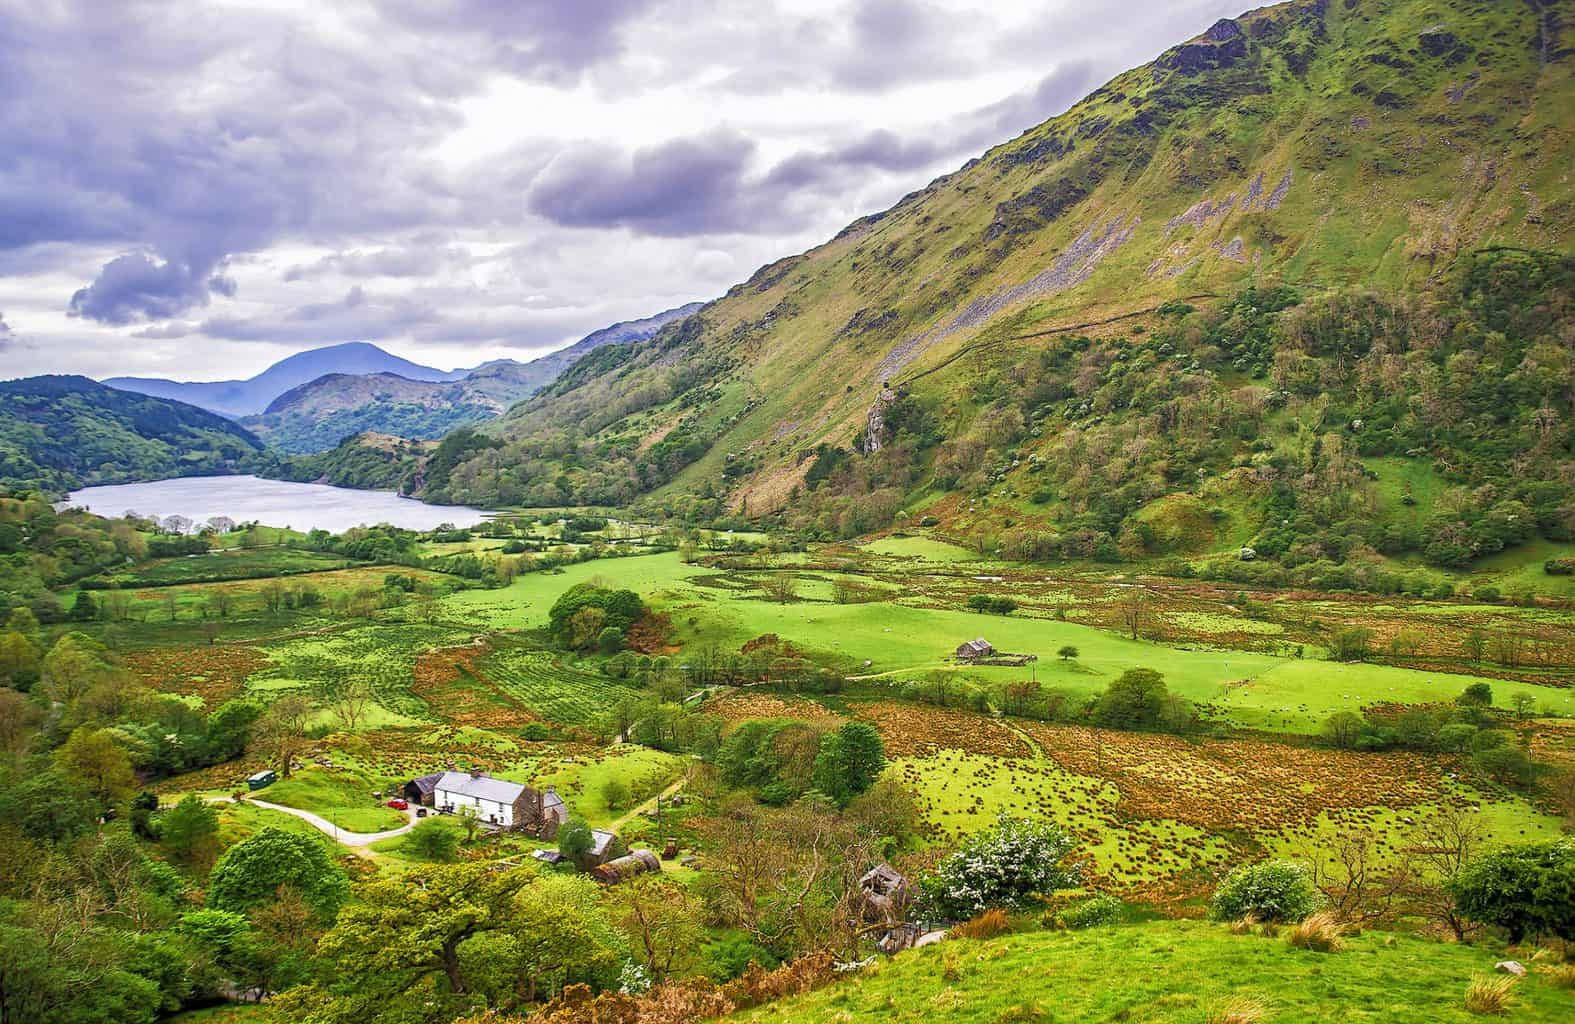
[356, 317]
[136, 286]
[165, 331]
[401, 261]
[687, 186]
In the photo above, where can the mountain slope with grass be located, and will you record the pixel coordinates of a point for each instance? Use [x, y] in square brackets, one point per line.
[59, 433]
[1164, 971]
[1321, 249]
[319, 414]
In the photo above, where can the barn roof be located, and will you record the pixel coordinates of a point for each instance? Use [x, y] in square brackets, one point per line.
[481, 787]
[602, 841]
[427, 783]
[979, 646]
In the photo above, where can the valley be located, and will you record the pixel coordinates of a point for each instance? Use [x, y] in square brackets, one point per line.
[1131, 578]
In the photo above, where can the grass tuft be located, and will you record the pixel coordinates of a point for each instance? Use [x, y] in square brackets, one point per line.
[1559, 975]
[1489, 995]
[987, 925]
[1237, 1010]
[1320, 932]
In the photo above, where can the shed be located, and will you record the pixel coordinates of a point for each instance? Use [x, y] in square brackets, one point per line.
[886, 893]
[637, 862]
[419, 791]
[258, 780]
[604, 846]
[973, 650]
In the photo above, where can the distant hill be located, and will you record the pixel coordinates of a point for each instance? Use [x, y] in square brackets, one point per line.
[58, 433]
[316, 415]
[246, 397]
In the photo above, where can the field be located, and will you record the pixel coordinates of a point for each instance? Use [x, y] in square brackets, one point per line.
[225, 564]
[1166, 972]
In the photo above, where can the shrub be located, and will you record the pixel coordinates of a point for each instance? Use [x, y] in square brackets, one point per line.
[1091, 913]
[1487, 595]
[251, 872]
[991, 605]
[983, 926]
[435, 839]
[1559, 975]
[1237, 1010]
[1275, 890]
[1487, 994]
[1008, 866]
[1526, 890]
[1320, 932]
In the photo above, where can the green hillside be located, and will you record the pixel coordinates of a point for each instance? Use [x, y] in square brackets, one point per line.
[58, 433]
[1163, 971]
[1316, 241]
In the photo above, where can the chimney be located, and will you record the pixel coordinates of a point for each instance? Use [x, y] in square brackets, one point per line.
[552, 790]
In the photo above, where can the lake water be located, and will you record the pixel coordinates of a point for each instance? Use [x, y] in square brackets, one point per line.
[270, 502]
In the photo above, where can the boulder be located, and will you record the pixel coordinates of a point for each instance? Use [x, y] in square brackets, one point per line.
[1514, 967]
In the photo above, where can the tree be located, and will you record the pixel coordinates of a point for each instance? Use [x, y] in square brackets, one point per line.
[1009, 866]
[781, 587]
[1351, 644]
[84, 608]
[1343, 728]
[190, 830]
[19, 718]
[469, 819]
[230, 728]
[585, 626]
[1528, 890]
[49, 805]
[281, 730]
[615, 794]
[575, 840]
[434, 839]
[1476, 645]
[354, 700]
[1135, 700]
[610, 640]
[1477, 695]
[1136, 607]
[562, 934]
[662, 922]
[92, 756]
[1068, 653]
[849, 761]
[272, 593]
[20, 661]
[251, 872]
[1443, 844]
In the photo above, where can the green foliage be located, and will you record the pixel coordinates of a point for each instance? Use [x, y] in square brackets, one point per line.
[575, 839]
[1528, 890]
[849, 761]
[189, 830]
[60, 433]
[251, 872]
[992, 604]
[1097, 910]
[435, 839]
[611, 609]
[1275, 890]
[1139, 699]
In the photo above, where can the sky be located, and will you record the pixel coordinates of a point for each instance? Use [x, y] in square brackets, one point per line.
[196, 189]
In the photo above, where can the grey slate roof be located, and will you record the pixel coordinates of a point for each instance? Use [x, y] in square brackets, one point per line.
[601, 841]
[483, 787]
[427, 783]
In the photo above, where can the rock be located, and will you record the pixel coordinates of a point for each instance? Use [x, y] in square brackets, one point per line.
[1510, 967]
[1223, 29]
[1247, 554]
[1436, 42]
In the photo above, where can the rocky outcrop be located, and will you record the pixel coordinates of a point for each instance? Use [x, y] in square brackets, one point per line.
[875, 425]
[1220, 47]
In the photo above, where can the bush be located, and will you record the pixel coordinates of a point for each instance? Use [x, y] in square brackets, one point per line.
[1487, 595]
[1320, 932]
[1090, 913]
[991, 605]
[1009, 866]
[1237, 1010]
[1275, 890]
[1526, 890]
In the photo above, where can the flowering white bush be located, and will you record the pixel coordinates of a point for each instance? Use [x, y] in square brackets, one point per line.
[1008, 866]
[634, 979]
[1276, 890]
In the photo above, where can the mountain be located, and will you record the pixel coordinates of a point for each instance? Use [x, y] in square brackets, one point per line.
[58, 433]
[315, 416]
[246, 397]
[1301, 284]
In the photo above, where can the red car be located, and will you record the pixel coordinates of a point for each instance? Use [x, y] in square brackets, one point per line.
[399, 805]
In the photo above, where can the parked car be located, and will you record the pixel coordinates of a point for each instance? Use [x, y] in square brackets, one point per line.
[399, 805]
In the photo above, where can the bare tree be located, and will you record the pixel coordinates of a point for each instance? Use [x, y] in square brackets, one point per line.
[781, 587]
[281, 731]
[355, 699]
[1440, 847]
[1136, 607]
[1351, 876]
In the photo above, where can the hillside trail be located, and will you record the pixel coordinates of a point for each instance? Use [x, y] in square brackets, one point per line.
[356, 842]
[665, 794]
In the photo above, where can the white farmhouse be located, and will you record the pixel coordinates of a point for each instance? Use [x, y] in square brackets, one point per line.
[496, 801]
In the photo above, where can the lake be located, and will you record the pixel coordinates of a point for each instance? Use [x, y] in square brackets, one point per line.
[270, 502]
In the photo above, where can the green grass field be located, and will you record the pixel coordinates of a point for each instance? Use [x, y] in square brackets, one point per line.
[1167, 972]
[900, 640]
[342, 798]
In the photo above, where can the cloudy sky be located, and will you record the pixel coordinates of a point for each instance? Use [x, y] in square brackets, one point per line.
[197, 188]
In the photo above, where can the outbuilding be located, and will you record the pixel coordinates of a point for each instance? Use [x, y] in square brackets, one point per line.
[973, 650]
[636, 862]
[258, 780]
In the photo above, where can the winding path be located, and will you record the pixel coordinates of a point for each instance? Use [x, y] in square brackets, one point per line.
[356, 841]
